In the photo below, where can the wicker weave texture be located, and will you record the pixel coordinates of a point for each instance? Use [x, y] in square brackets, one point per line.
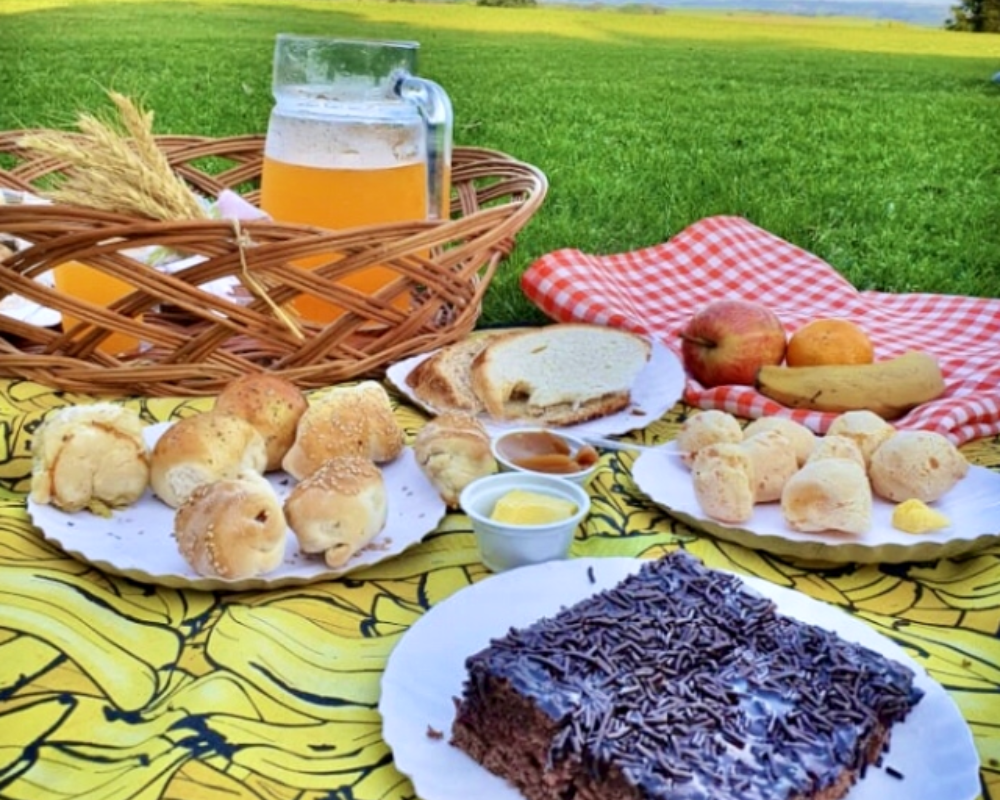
[195, 340]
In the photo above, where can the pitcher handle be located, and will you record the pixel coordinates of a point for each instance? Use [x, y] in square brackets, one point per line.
[435, 107]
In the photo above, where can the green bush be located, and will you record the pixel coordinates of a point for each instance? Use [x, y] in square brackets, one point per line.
[976, 16]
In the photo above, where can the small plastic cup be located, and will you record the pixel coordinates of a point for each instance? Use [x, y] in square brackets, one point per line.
[504, 546]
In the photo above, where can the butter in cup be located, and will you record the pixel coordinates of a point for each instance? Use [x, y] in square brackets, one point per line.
[504, 546]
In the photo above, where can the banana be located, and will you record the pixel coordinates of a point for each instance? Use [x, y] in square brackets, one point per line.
[888, 388]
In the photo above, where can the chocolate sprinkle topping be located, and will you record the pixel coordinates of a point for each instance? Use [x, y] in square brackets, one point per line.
[690, 685]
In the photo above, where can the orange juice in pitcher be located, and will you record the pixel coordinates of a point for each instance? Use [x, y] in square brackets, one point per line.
[354, 139]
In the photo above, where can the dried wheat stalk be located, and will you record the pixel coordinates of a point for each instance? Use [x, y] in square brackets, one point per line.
[122, 169]
[117, 167]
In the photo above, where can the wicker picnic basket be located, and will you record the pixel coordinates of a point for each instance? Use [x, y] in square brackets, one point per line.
[194, 340]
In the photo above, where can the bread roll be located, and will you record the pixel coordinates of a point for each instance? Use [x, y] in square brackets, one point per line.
[232, 528]
[559, 374]
[89, 455]
[774, 462]
[272, 404]
[452, 450]
[704, 428]
[723, 479]
[866, 428]
[339, 508]
[803, 440]
[920, 465]
[353, 420]
[829, 494]
[202, 449]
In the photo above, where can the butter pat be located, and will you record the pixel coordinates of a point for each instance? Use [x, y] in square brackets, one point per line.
[521, 507]
[915, 516]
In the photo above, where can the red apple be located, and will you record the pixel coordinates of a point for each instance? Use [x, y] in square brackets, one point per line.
[727, 341]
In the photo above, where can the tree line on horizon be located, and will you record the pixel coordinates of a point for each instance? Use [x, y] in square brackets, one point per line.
[975, 16]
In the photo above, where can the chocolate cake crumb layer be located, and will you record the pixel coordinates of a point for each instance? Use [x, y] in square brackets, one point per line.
[679, 683]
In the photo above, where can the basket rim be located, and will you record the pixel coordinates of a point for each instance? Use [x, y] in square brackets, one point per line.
[494, 196]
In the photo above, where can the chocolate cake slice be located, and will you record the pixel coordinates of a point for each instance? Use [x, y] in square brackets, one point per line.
[680, 683]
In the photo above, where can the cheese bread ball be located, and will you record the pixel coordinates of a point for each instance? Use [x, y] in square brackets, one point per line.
[866, 428]
[705, 428]
[774, 462]
[834, 446]
[724, 482]
[802, 439]
[921, 465]
[830, 494]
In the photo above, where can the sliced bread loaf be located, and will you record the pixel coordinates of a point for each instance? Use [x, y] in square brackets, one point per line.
[559, 374]
[443, 382]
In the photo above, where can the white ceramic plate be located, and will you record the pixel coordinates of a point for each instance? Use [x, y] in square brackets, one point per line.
[933, 748]
[657, 388]
[138, 541]
[973, 506]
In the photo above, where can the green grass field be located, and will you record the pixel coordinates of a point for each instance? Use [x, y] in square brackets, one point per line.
[874, 145]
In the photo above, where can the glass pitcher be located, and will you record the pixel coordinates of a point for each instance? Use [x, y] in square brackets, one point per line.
[354, 138]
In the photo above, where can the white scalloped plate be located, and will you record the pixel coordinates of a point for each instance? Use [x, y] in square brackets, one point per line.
[657, 388]
[932, 748]
[973, 506]
[137, 542]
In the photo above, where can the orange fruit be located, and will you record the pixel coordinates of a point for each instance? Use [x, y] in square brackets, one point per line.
[829, 341]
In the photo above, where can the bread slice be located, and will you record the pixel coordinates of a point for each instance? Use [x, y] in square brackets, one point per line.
[443, 382]
[559, 374]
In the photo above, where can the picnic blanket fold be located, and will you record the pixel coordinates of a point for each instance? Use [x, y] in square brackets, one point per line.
[655, 290]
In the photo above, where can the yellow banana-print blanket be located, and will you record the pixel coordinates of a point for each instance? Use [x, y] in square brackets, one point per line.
[111, 689]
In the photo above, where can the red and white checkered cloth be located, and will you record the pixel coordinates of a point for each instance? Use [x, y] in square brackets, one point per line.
[656, 290]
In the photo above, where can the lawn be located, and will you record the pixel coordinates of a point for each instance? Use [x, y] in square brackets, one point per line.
[874, 145]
